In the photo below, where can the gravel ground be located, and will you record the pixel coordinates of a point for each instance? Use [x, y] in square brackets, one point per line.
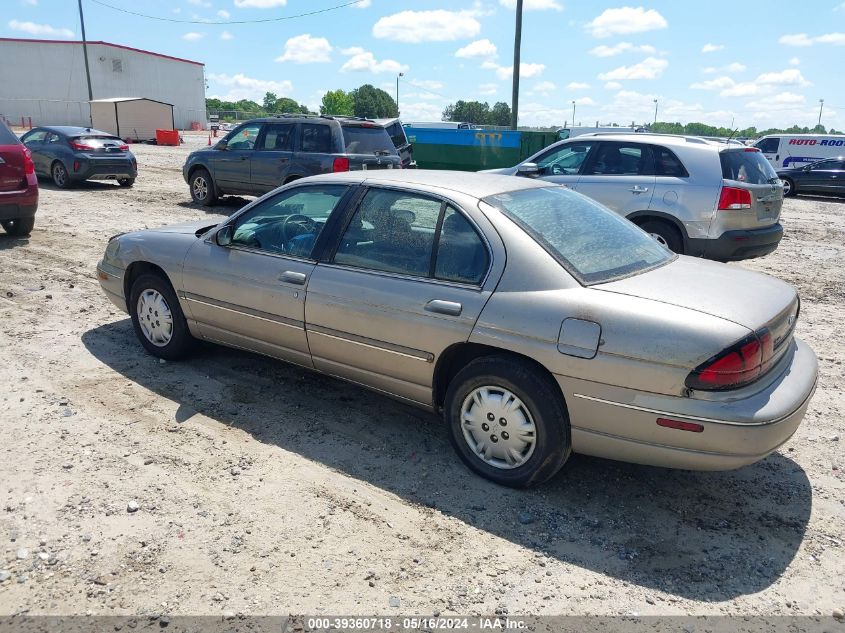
[233, 483]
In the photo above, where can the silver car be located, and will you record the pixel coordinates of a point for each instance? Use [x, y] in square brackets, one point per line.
[536, 321]
[696, 196]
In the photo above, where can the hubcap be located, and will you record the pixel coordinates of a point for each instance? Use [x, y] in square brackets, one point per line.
[200, 188]
[498, 427]
[155, 318]
[59, 174]
[659, 239]
[786, 186]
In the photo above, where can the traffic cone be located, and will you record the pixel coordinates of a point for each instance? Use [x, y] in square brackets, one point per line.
[209, 139]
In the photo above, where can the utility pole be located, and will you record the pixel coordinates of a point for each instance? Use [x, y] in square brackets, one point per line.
[573, 113]
[87, 70]
[397, 91]
[821, 107]
[655, 112]
[517, 40]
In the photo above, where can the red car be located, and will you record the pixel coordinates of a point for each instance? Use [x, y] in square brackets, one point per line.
[18, 185]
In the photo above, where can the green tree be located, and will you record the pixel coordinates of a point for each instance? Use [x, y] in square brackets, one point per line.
[500, 114]
[338, 102]
[468, 112]
[373, 103]
[269, 102]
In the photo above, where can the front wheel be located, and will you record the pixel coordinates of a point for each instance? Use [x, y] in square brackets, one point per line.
[507, 421]
[126, 182]
[665, 234]
[202, 188]
[157, 318]
[788, 187]
[19, 227]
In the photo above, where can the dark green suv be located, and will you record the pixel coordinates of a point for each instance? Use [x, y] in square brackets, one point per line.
[262, 154]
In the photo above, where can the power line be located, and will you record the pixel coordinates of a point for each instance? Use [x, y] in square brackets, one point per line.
[224, 22]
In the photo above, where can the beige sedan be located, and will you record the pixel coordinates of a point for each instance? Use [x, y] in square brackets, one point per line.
[533, 319]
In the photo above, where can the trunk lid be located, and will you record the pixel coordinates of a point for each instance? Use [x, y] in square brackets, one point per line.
[750, 299]
[12, 173]
[746, 168]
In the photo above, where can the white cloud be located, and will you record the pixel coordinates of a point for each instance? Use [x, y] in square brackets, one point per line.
[612, 85]
[225, 35]
[735, 67]
[788, 77]
[719, 83]
[200, 3]
[223, 14]
[794, 62]
[242, 87]
[40, 29]
[649, 68]
[364, 61]
[782, 99]
[526, 70]
[193, 36]
[427, 84]
[31, 3]
[621, 47]
[745, 89]
[584, 101]
[260, 4]
[577, 85]
[533, 5]
[363, 4]
[427, 26]
[304, 49]
[488, 89]
[542, 88]
[802, 39]
[416, 111]
[479, 48]
[626, 20]
[712, 48]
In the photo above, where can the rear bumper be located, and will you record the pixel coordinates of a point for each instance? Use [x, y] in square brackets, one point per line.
[737, 245]
[619, 423]
[19, 204]
[93, 170]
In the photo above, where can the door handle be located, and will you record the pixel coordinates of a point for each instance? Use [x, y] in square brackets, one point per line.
[452, 308]
[638, 189]
[293, 277]
[243, 157]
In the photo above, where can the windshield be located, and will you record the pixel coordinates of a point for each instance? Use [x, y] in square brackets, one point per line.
[594, 244]
[367, 140]
[747, 166]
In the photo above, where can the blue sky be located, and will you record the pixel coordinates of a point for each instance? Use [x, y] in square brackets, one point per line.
[753, 62]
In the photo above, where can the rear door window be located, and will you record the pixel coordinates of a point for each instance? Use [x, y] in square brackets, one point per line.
[620, 159]
[666, 163]
[367, 140]
[747, 166]
[461, 255]
[278, 137]
[316, 138]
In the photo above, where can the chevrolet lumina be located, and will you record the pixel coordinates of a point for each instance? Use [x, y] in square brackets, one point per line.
[533, 319]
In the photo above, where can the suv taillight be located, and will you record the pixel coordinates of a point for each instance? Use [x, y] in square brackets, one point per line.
[28, 165]
[341, 163]
[737, 366]
[732, 198]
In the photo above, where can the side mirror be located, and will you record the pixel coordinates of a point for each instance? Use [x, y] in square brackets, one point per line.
[223, 237]
[527, 169]
[222, 144]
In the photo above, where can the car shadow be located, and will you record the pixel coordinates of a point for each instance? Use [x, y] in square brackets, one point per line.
[700, 535]
[12, 241]
[820, 197]
[82, 185]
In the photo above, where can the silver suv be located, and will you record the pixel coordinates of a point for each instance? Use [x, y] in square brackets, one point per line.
[695, 196]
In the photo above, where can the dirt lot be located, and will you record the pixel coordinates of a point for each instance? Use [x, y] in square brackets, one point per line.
[268, 489]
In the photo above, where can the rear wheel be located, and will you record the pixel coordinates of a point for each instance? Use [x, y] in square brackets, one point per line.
[126, 182]
[788, 187]
[157, 318]
[19, 226]
[507, 421]
[665, 234]
[202, 188]
[60, 176]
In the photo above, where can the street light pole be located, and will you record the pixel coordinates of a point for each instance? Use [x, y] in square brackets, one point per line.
[821, 107]
[573, 113]
[397, 91]
[655, 112]
[85, 55]
[517, 40]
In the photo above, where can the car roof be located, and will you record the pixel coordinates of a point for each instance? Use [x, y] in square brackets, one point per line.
[675, 140]
[73, 130]
[478, 185]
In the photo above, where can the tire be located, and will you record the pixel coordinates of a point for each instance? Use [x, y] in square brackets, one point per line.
[172, 344]
[60, 175]
[126, 182]
[665, 234]
[540, 405]
[788, 187]
[202, 188]
[19, 227]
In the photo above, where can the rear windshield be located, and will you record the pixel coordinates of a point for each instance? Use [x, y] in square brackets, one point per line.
[594, 244]
[747, 166]
[7, 137]
[98, 140]
[367, 140]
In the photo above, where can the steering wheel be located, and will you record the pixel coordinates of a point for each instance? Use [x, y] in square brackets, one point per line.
[303, 223]
[557, 169]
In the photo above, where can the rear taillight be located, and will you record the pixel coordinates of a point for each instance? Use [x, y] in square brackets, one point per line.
[732, 198]
[735, 367]
[341, 163]
[78, 145]
[28, 165]
[751, 149]
[124, 147]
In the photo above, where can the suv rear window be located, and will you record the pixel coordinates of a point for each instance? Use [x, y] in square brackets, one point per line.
[367, 140]
[7, 137]
[747, 166]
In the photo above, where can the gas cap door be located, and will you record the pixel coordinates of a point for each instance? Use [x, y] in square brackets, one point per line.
[579, 338]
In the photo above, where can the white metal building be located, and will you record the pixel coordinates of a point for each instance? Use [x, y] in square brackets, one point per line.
[45, 80]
